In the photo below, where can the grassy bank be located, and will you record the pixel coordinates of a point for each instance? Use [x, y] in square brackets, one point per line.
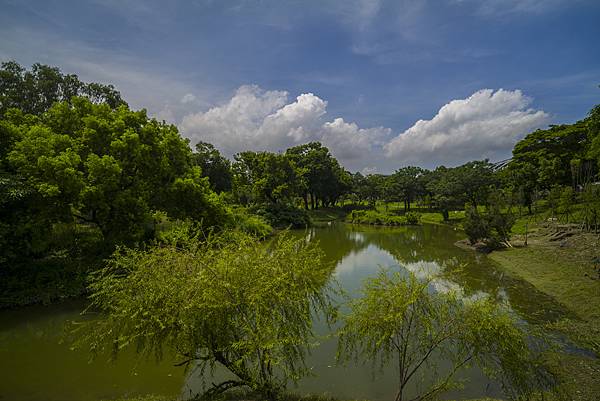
[553, 272]
[566, 273]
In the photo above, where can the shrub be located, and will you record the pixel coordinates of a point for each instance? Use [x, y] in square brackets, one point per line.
[413, 218]
[283, 216]
[252, 224]
[492, 226]
[375, 217]
[475, 225]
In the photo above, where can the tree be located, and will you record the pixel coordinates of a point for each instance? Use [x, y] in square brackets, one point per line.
[493, 226]
[377, 188]
[214, 166]
[268, 177]
[321, 176]
[550, 152]
[445, 190]
[229, 301]
[521, 178]
[359, 187]
[408, 184]
[111, 169]
[35, 91]
[400, 320]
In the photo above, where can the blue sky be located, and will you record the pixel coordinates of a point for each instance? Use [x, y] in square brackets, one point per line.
[357, 74]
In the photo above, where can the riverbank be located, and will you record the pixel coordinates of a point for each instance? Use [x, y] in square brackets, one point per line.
[565, 270]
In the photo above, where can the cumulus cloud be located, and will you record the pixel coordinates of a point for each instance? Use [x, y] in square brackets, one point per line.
[256, 119]
[485, 125]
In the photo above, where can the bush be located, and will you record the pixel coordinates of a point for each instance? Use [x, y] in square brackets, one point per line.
[476, 226]
[252, 224]
[375, 217]
[284, 216]
[492, 226]
[413, 218]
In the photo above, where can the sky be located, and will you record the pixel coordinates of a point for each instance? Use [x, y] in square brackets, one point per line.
[383, 84]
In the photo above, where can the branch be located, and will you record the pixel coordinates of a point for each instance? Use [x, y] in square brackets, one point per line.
[444, 384]
[222, 387]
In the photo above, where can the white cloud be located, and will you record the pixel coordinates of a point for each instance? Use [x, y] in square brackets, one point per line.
[485, 125]
[351, 142]
[256, 119]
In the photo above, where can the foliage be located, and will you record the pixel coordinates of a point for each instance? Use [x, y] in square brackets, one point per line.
[251, 223]
[475, 225]
[321, 176]
[493, 226]
[214, 166]
[283, 215]
[35, 91]
[265, 177]
[228, 301]
[400, 320]
[591, 210]
[375, 217]
[412, 218]
[83, 163]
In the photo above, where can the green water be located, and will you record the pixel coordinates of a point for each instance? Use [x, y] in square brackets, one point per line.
[36, 365]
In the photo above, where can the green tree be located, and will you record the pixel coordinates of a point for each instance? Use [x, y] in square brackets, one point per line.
[35, 91]
[492, 226]
[475, 179]
[267, 176]
[88, 164]
[408, 184]
[376, 188]
[321, 176]
[214, 166]
[399, 320]
[550, 152]
[445, 190]
[229, 301]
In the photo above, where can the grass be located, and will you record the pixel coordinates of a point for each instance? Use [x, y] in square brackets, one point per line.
[554, 274]
[455, 218]
[578, 376]
[565, 275]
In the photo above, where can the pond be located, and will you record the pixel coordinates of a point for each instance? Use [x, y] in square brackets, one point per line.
[36, 364]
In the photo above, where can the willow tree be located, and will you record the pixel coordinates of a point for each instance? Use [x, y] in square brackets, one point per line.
[228, 301]
[400, 321]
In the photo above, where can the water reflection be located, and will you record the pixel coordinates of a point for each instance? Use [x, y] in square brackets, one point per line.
[427, 250]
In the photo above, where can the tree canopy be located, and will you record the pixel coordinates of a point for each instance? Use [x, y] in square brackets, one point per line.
[228, 301]
[109, 168]
[35, 91]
